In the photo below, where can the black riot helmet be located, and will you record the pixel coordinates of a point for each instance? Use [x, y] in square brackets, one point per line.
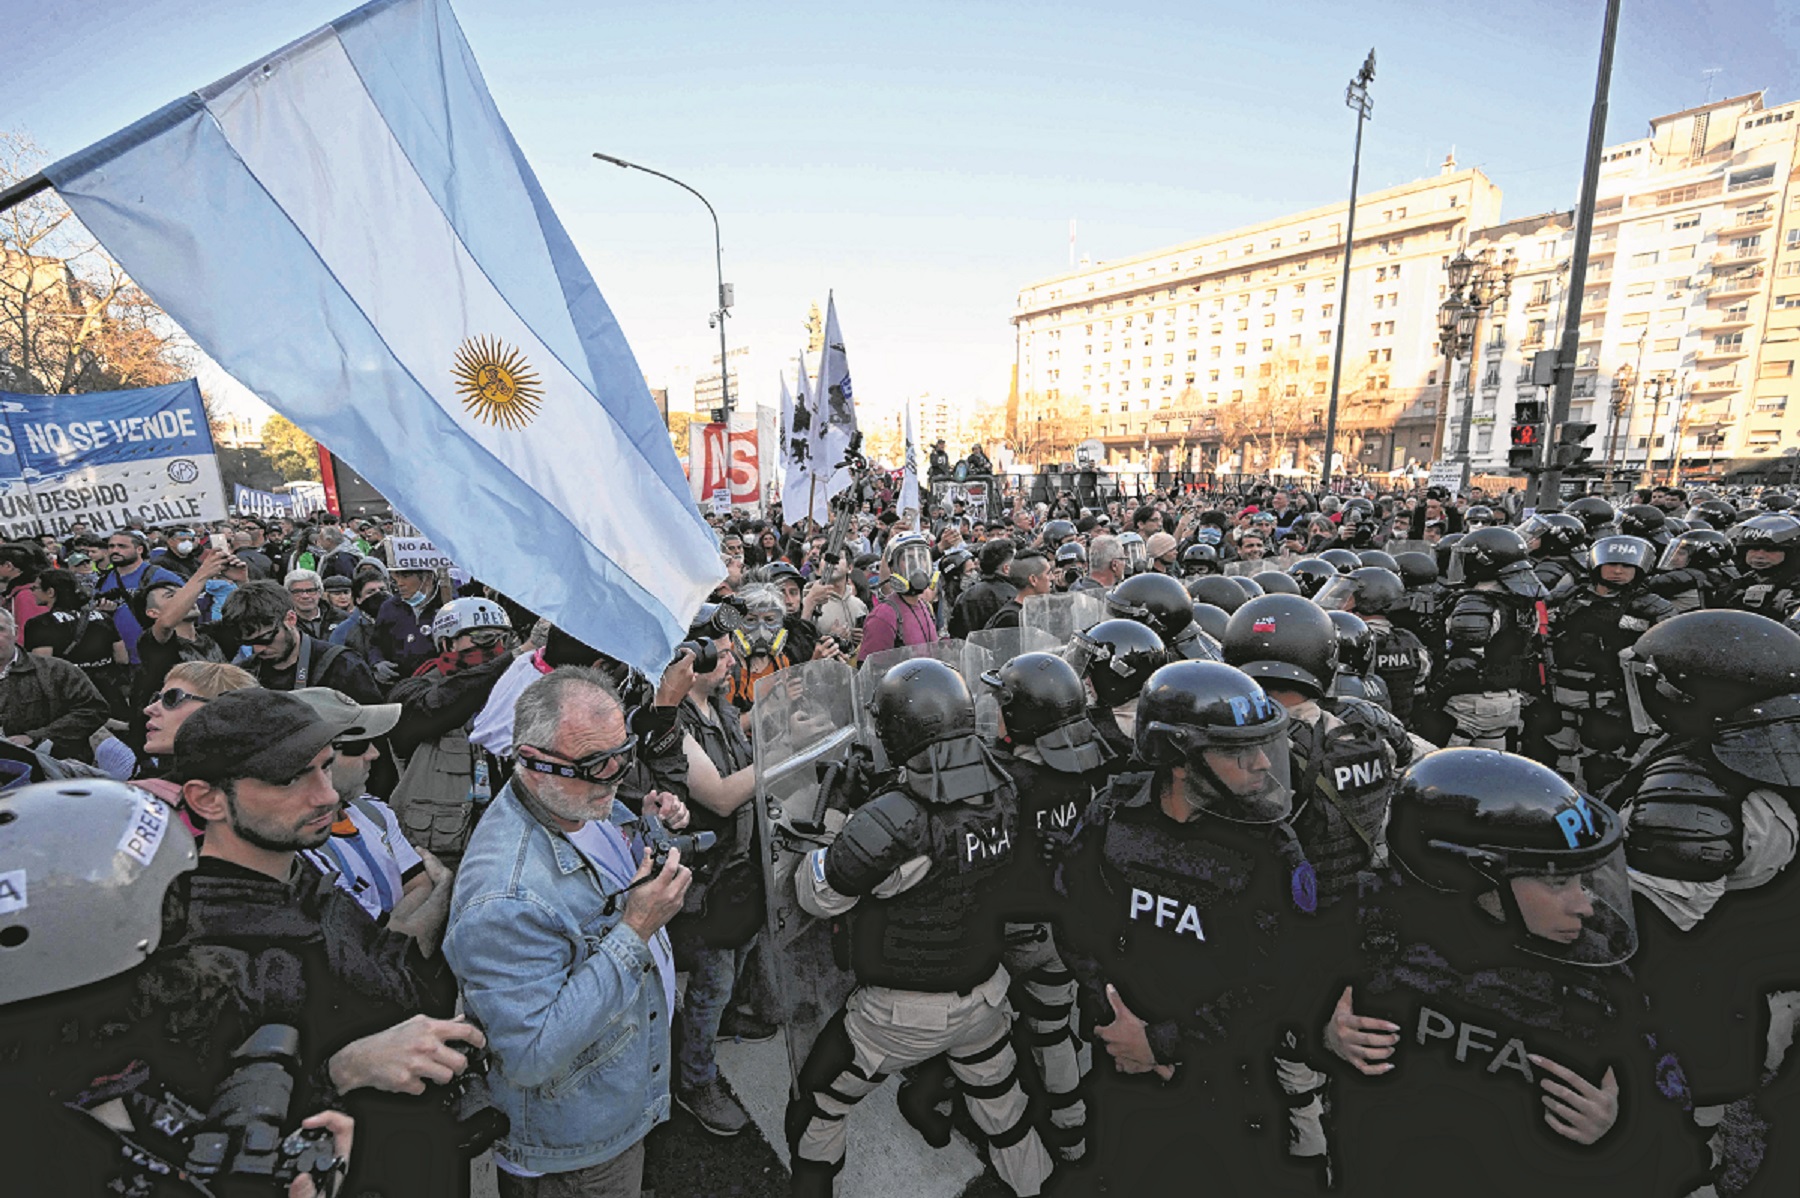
[1252, 589]
[1217, 724]
[1774, 531]
[1778, 502]
[1217, 590]
[1056, 532]
[1356, 643]
[1156, 601]
[1378, 557]
[1344, 560]
[1479, 515]
[1043, 704]
[1283, 641]
[1312, 573]
[1482, 555]
[1700, 549]
[1593, 512]
[1555, 533]
[1369, 590]
[919, 703]
[1485, 825]
[1198, 560]
[1633, 551]
[1416, 569]
[1716, 512]
[1445, 547]
[1642, 520]
[1689, 672]
[1117, 656]
[1274, 582]
[1211, 619]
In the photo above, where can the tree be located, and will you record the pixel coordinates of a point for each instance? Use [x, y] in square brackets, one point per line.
[71, 321]
[289, 450]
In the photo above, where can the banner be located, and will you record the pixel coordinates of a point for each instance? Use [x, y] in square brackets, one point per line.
[105, 459]
[269, 505]
[415, 553]
[737, 469]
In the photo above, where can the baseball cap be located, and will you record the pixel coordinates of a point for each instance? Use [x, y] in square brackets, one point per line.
[270, 736]
[348, 719]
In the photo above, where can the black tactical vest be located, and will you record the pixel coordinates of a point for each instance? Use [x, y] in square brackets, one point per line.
[1343, 782]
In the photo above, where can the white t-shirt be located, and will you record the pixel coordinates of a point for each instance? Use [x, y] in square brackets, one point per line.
[492, 728]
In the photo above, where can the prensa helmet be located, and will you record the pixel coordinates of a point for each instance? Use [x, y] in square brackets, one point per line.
[1217, 724]
[1117, 657]
[473, 616]
[1283, 641]
[1043, 704]
[910, 570]
[1488, 826]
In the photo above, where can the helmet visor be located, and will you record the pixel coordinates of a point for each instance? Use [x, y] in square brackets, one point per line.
[1338, 594]
[1535, 526]
[1244, 781]
[1134, 556]
[1456, 574]
[1675, 557]
[1579, 916]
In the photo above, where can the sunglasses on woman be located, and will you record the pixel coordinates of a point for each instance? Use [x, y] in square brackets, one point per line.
[174, 697]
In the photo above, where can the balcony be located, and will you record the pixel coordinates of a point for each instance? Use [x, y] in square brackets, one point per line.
[1714, 388]
[1752, 219]
[1726, 318]
[1723, 349]
[1595, 304]
[1741, 255]
[1744, 282]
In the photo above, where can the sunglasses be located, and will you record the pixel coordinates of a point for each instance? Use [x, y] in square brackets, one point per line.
[351, 748]
[263, 638]
[174, 697]
[604, 768]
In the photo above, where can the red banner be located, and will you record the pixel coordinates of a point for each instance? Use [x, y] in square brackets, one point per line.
[737, 468]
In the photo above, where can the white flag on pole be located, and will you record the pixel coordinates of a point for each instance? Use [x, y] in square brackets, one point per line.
[834, 409]
[909, 476]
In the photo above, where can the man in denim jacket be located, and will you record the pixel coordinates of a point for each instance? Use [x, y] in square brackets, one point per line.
[556, 936]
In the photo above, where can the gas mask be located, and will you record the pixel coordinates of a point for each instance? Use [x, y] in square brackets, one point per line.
[911, 569]
[763, 635]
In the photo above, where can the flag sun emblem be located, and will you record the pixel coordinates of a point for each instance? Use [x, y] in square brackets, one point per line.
[495, 382]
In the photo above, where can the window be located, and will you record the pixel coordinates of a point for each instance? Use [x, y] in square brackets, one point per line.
[1213, 352]
[1268, 345]
[1637, 289]
[1269, 320]
[1670, 315]
[1680, 253]
[1635, 320]
[1666, 345]
[1647, 258]
[1687, 220]
[1648, 226]
[1322, 362]
[1324, 336]
[1243, 325]
[1238, 349]
[1305, 236]
[1540, 292]
[1297, 315]
[1380, 301]
[1294, 341]
[1328, 286]
[1212, 376]
[1788, 301]
[1325, 311]
[1775, 370]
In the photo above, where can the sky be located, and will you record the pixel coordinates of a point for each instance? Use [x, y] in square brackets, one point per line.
[922, 161]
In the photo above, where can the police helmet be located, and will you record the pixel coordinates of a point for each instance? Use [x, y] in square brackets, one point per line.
[1217, 724]
[1593, 512]
[1058, 531]
[1069, 555]
[1043, 704]
[1445, 548]
[1700, 549]
[1356, 642]
[1378, 557]
[1156, 601]
[1217, 590]
[1716, 512]
[919, 703]
[1624, 550]
[1554, 532]
[1211, 619]
[1344, 560]
[1312, 573]
[1689, 672]
[1274, 582]
[1197, 560]
[1479, 515]
[1482, 556]
[1369, 590]
[1642, 520]
[1252, 589]
[1416, 569]
[1492, 827]
[84, 866]
[1117, 657]
[1774, 531]
[1284, 641]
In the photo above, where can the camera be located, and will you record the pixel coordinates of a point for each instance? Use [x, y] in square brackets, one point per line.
[659, 842]
[706, 654]
[478, 1121]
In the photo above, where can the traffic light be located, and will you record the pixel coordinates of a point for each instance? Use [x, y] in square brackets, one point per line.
[1527, 434]
[1570, 452]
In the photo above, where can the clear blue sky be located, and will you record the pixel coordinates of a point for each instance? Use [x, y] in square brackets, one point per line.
[924, 159]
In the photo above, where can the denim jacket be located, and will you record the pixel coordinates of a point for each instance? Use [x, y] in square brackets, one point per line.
[569, 996]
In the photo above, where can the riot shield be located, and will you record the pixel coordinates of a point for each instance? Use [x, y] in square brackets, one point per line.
[804, 717]
[1061, 616]
[990, 649]
[1397, 547]
[875, 667]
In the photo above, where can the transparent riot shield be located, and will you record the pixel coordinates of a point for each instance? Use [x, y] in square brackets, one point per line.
[1397, 547]
[805, 722]
[990, 649]
[875, 667]
[1063, 615]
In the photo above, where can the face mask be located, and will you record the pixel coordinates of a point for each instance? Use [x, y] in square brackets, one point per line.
[371, 604]
[419, 599]
[220, 589]
[184, 547]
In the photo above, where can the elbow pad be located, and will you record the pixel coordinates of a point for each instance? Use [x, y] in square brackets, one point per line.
[884, 834]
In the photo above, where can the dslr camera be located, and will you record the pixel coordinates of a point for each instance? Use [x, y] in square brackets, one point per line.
[659, 842]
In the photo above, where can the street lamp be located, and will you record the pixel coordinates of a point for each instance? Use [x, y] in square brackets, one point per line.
[1356, 96]
[725, 296]
[1476, 285]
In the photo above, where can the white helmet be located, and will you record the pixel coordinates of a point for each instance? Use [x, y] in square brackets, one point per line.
[84, 865]
[468, 615]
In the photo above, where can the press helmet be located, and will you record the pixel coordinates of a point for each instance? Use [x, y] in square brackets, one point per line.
[469, 615]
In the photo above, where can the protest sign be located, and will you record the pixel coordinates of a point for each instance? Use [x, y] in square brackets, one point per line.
[415, 553]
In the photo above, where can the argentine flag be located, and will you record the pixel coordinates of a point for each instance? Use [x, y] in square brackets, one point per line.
[349, 229]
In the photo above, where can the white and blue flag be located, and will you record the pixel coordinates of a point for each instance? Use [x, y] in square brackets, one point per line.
[349, 229]
[834, 409]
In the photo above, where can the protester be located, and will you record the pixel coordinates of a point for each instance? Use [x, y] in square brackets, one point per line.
[283, 656]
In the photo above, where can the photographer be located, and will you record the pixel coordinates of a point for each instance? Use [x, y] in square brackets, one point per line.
[835, 609]
[100, 858]
[556, 934]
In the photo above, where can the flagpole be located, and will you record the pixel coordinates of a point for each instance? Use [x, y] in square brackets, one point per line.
[23, 190]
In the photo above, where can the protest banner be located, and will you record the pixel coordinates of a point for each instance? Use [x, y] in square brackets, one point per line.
[415, 553]
[269, 505]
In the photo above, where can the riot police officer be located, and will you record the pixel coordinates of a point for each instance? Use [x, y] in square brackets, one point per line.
[924, 943]
[1710, 834]
[1646, 521]
[1056, 761]
[1184, 890]
[1695, 567]
[1116, 658]
[1554, 539]
[1356, 677]
[1344, 760]
[1494, 1038]
[1606, 614]
[1494, 641]
[1400, 659]
[1161, 604]
[1595, 514]
[1768, 553]
[1427, 601]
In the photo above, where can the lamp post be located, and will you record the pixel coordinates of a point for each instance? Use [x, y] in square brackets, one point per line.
[1487, 283]
[1356, 96]
[725, 297]
[1660, 384]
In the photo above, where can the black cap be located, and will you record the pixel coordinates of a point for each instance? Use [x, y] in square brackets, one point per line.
[270, 736]
[336, 582]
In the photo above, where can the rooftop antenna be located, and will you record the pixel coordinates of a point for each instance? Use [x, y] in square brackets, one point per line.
[1707, 75]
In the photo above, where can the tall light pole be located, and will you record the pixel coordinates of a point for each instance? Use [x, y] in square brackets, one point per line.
[725, 297]
[1356, 96]
[1488, 283]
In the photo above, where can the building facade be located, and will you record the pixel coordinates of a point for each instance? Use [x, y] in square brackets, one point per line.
[1216, 354]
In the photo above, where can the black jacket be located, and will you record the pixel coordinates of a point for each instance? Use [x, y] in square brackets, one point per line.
[47, 698]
